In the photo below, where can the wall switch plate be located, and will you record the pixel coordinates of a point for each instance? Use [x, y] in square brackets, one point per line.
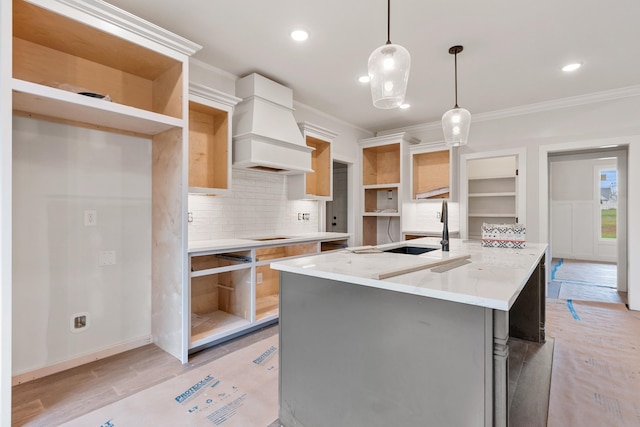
[107, 258]
[90, 218]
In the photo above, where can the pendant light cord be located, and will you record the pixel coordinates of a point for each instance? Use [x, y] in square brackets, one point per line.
[388, 22]
[455, 61]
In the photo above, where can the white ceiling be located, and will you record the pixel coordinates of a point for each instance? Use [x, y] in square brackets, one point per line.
[513, 49]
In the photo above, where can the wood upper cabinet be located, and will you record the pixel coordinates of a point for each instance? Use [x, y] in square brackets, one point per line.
[61, 51]
[384, 162]
[316, 185]
[431, 172]
[210, 116]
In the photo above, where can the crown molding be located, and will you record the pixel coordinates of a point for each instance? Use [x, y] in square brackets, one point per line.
[298, 104]
[124, 20]
[213, 94]
[572, 101]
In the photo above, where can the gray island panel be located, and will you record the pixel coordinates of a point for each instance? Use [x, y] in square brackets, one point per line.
[359, 356]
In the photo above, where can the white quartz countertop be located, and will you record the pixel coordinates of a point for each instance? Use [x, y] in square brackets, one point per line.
[263, 240]
[492, 277]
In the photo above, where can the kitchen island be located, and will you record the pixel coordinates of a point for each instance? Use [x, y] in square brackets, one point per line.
[427, 347]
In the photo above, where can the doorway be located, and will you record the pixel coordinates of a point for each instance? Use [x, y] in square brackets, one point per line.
[587, 224]
[337, 209]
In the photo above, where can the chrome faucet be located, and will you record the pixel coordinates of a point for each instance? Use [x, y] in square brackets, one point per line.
[444, 218]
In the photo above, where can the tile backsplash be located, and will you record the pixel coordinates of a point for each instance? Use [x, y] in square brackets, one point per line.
[256, 206]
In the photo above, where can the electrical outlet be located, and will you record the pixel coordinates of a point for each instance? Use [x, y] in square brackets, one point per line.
[90, 218]
[258, 278]
[189, 216]
[437, 214]
[79, 322]
[107, 258]
[299, 216]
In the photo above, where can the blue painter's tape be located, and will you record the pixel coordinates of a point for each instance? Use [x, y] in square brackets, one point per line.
[572, 310]
[555, 268]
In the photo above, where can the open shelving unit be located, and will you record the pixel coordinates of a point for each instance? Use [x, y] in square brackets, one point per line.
[90, 64]
[383, 159]
[235, 291]
[493, 186]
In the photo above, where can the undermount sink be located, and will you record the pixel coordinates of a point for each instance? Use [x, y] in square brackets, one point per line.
[411, 250]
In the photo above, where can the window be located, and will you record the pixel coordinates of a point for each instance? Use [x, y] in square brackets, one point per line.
[608, 203]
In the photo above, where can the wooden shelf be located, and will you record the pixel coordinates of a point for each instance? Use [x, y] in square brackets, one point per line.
[49, 102]
[206, 326]
[492, 215]
[267, 305]
[505, 194]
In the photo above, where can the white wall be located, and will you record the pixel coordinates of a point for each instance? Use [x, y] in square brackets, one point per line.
[59, 171]
[575, 210]
[574, 126]
[256, 206]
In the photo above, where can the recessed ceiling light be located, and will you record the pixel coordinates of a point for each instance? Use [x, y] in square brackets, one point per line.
[299, 35]
[405, 106]
[363, 79]
[571, 67]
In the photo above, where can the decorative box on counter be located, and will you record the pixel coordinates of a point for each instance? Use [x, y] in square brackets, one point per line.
[503, 236]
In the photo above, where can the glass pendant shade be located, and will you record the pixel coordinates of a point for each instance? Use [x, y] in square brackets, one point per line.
[455, 124]
[389, 74]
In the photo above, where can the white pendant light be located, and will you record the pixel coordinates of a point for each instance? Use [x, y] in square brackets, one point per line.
[456, 122]
[389, 71]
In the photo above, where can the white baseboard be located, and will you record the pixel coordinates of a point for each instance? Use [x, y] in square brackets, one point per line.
[72, 363]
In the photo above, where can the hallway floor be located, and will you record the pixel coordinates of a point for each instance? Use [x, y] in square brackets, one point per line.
[584, 281]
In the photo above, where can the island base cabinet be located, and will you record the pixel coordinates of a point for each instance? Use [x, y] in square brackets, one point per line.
[381, 357]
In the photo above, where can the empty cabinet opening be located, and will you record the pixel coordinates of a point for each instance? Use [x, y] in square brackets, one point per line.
[268, 280]
[52, 50]
[208, 147]
[319, 182]
[431, 173]
[381, 164]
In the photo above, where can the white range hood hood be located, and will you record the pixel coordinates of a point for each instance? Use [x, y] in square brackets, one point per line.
[265, 133]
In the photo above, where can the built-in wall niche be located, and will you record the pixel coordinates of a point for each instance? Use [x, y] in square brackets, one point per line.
[494, 190]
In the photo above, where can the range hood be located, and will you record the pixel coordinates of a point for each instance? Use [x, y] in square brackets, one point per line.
[265, 134]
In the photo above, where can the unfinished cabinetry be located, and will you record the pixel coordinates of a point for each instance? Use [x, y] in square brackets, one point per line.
[383, 160]
[210, 121]
[235, 291]
[431, 172]
[268, 280]
[316, 185]
[89, 64]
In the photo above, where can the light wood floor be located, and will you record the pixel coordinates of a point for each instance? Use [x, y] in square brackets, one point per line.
[64, 396]
[61, 397]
